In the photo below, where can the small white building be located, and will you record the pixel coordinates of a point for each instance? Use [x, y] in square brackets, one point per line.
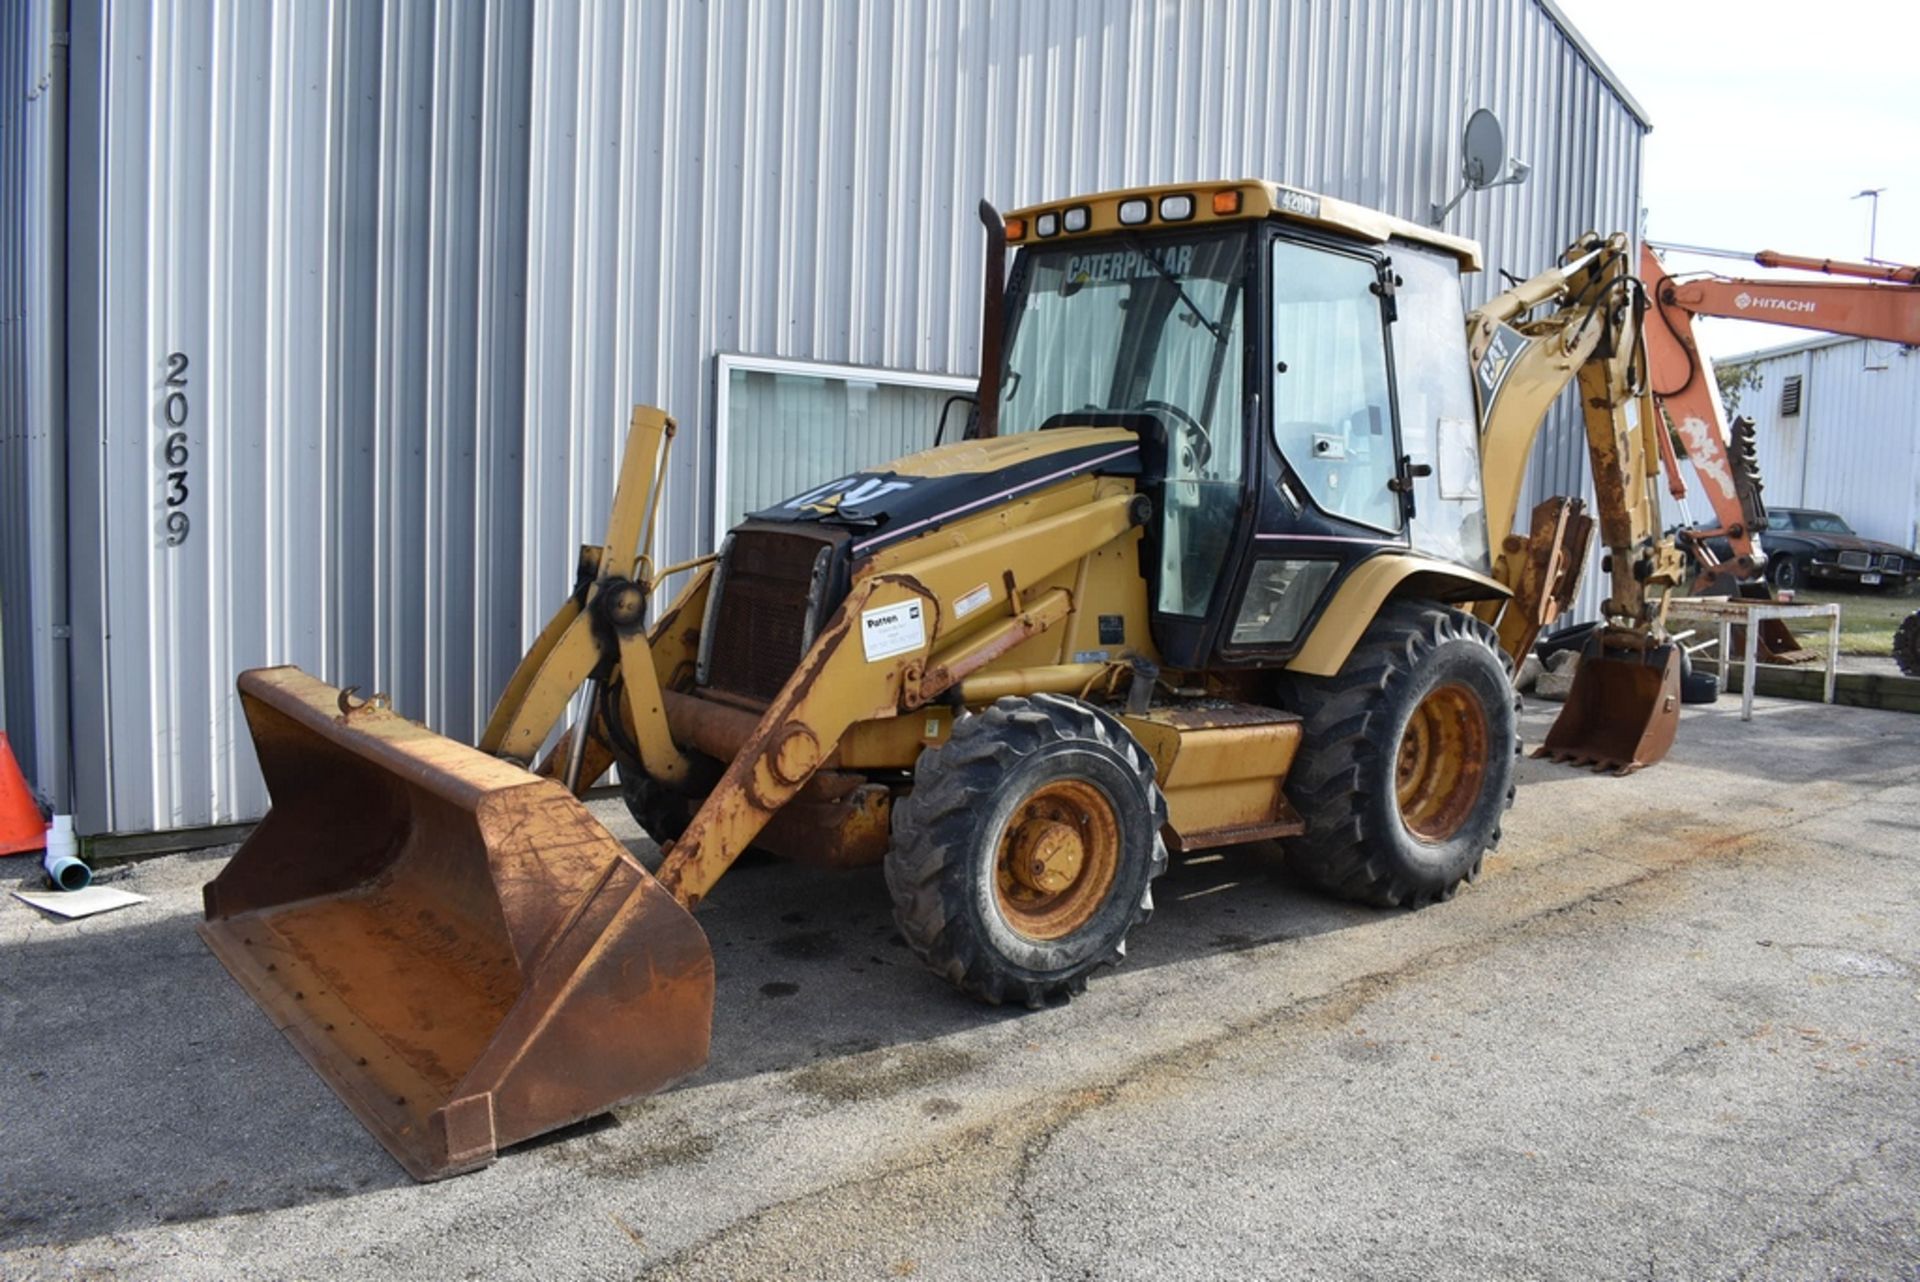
[1837, 427]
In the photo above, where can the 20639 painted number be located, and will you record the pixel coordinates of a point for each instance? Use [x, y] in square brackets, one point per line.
[173, 489]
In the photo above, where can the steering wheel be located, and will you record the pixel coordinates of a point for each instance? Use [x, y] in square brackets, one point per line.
[1202, 441]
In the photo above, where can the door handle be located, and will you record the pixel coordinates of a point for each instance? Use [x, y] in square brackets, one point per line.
[1409, 472]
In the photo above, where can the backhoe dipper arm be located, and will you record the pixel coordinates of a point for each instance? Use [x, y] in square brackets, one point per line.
[1624, 706]
[1594, 335]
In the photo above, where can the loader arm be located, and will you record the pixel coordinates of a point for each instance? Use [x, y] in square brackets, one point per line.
[845, 677]
[600, 625]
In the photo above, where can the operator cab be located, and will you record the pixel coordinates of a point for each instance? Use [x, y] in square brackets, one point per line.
[1297, 368]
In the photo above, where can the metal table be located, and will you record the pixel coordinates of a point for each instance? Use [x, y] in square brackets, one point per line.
[1751, 614]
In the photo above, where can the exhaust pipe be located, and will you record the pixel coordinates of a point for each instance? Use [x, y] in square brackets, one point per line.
[993, 323]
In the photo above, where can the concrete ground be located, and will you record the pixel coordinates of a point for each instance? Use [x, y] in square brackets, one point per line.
[1671, 1033]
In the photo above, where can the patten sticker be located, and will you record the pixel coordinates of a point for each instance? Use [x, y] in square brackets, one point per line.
[892, 629]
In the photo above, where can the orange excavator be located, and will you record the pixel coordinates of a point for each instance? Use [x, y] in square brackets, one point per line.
[1880, 301]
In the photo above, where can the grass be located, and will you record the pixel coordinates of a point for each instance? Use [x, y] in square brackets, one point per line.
[1867, 619]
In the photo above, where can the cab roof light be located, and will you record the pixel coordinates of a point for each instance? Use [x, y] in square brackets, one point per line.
[1016, 228]
[1133, 212]
[1078, 218]
[1226, 202]
[1176, 209]
[1047, 224]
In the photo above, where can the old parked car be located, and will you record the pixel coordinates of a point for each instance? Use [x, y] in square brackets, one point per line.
[1805, 547]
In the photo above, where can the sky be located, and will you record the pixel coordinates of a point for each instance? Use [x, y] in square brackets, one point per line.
[1768, 116]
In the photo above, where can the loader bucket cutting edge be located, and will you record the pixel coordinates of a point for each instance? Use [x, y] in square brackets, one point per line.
[1622, 712]
[455, 945]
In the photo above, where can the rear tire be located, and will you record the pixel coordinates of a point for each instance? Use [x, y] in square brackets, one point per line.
[1027, 849]
[1405, 766]
[1906, 645]
[1697, 687]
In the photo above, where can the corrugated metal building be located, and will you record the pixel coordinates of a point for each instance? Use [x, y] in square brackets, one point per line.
[322, 319]
[1837, 427]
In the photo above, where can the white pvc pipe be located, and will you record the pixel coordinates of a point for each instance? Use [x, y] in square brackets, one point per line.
[62, 860]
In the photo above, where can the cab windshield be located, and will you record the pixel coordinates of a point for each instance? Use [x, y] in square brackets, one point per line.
[1133, 324]
[1150, 327]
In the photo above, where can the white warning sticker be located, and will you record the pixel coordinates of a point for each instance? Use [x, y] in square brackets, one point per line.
[965, 605]
[891, 630]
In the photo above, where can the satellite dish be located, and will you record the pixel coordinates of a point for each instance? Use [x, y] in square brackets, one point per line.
[1484, 160]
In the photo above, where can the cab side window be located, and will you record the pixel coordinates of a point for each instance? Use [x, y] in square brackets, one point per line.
[1332, 415]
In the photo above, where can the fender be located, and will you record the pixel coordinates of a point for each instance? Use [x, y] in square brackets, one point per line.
[1361, 594]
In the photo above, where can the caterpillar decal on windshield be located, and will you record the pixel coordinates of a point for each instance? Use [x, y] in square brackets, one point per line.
[1127, 264]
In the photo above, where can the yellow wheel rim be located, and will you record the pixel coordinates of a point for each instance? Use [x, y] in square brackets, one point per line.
[1057, 859]
[1442, 762]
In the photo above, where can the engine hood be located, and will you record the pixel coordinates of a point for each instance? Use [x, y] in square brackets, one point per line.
[924, 491]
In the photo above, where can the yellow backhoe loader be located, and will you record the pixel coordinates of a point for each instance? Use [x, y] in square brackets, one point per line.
[1211, 564]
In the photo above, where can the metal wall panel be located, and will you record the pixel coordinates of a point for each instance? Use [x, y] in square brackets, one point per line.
[33, 417]
[421, 258]
[1854, 448]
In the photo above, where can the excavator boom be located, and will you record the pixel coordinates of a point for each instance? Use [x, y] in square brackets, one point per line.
[1885, 305]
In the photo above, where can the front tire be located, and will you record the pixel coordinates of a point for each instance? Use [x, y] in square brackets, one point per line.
[1787, 574]
[1405, 766]
[1027, 849]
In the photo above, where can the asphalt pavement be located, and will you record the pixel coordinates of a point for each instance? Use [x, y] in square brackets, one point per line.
[1672, 1032]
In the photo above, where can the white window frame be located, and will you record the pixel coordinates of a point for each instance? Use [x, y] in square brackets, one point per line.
[725, 363]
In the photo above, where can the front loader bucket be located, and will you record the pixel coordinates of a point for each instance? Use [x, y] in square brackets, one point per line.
[1622, 711]
[464, 954]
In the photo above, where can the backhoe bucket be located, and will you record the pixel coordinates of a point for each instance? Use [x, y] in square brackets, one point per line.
[464, 954]
[1622, 711]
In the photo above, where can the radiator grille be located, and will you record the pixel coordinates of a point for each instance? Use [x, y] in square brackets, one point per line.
[760, 624]
[1855, 560]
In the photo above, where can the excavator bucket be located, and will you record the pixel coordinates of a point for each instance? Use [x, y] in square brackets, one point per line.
[1622, 711]
[1778, 644]
[457, 946]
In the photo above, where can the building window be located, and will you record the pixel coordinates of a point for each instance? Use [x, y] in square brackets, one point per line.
[786, 425]
[1790, 396]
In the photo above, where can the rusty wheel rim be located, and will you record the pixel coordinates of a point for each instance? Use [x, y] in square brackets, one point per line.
[1441, 763]
[1057, 859]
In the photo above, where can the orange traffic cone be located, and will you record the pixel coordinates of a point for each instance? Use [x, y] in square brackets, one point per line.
[21, 827]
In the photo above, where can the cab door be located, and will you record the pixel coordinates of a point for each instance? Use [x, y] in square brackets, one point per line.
[1336, 481]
